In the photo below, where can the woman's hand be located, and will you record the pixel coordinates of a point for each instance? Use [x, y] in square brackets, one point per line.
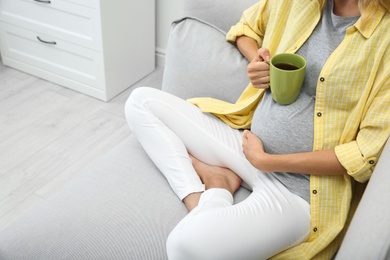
[323, 162]
[258, 69]
[253, 150]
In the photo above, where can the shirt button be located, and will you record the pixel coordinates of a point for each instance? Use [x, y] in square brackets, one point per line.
[314, 191]
[371, 162]
[315, 229]
[319, 114]
[322, 79]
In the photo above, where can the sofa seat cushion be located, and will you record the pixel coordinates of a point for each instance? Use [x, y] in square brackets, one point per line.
[120, 207]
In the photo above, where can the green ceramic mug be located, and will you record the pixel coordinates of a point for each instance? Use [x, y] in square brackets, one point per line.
[287, 72]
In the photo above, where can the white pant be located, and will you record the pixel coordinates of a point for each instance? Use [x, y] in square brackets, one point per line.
[269, 221]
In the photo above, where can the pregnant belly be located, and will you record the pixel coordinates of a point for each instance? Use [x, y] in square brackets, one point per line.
[285, 128]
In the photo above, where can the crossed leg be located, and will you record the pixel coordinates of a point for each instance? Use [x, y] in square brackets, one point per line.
[269, 221]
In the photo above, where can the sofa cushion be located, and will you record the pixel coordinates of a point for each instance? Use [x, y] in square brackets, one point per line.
[121, 207]
[117, 209]
[221, 13]
[220, 64]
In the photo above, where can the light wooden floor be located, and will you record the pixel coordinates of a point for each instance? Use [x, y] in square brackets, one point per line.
[48, 134]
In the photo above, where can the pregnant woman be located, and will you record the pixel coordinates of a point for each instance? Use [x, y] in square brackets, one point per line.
[299, 160]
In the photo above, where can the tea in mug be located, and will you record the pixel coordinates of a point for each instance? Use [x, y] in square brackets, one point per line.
[286, 66]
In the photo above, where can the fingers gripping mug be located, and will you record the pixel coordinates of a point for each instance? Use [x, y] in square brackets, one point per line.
[287, 72]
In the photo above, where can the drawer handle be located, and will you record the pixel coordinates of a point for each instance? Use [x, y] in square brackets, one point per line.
[43, 1]
[53, 43]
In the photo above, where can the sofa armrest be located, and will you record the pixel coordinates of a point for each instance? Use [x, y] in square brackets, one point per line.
[221, 13]
[368, 236]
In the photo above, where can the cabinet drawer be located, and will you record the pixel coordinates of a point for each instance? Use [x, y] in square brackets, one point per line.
[88, 3]
[63, 19]
[55, 56]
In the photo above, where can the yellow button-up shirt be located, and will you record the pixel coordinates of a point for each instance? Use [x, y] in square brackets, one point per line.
[352, 107]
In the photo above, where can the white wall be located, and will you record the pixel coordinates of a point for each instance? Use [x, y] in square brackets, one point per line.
[166, 12]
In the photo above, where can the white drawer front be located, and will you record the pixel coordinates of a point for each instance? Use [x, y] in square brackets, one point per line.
[88, 3]
[56, 56]
[60, 18]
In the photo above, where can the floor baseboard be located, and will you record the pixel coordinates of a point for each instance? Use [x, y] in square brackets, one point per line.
[160, 57]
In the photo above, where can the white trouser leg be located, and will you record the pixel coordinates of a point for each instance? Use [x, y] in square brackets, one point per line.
[270, 220]
[169, 127]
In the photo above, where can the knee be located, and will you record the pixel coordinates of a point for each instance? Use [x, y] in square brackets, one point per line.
[178, 247]
[134, 100]
[134, 105]
[183, 244]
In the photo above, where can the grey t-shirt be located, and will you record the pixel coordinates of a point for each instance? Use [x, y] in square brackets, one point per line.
[286, 129]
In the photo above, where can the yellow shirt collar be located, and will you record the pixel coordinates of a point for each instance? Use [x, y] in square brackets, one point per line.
[368, 29]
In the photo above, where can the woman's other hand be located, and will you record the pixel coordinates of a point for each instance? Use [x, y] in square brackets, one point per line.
[323, 162]
[253, 150]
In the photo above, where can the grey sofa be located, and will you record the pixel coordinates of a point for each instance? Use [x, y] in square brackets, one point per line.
[122, 208]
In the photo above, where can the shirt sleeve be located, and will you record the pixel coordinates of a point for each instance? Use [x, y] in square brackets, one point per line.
[252, 24]
[359, 157]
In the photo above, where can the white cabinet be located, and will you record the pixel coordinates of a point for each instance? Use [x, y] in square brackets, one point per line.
[97, 47]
